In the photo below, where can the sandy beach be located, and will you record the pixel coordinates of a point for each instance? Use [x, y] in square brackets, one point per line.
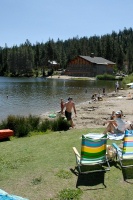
[70, 77]
[92, 114]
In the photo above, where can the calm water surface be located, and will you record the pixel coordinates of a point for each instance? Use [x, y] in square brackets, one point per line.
[36, 96]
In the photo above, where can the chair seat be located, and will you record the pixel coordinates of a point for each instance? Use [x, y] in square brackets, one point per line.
[94, 135]
[118, 136]
[87, 162]
[127, 156]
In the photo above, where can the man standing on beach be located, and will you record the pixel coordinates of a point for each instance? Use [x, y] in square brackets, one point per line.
[69, 105]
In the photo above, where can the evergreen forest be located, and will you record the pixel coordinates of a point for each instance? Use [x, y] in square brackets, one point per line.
[32, 59]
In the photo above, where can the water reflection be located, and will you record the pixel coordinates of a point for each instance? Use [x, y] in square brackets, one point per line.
[39, 95]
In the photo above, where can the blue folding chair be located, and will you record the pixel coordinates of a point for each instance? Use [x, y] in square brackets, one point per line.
[125, 155]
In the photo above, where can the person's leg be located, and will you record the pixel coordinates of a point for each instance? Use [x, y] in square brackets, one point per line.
[69, 118]
[72, 124]
[109, 128]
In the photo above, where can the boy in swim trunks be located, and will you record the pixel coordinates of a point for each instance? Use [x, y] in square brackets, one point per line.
[69, 105]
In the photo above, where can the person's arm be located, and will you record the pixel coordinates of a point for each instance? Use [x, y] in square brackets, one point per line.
[109, 121]
[74, 110]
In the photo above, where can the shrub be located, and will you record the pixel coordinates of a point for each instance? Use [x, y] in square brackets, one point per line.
[3, 124]
[11, 122]
[19, 124]
[22, 126]
[34, 122]
[60, 124]
[127, 79]
[105, 77]
[45, 125]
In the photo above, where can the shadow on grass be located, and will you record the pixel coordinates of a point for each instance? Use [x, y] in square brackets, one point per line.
[128, 174]
[89, 179]
[5, 140]
[115, 164]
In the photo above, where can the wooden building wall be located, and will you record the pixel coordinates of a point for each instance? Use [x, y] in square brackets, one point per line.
[81, 67]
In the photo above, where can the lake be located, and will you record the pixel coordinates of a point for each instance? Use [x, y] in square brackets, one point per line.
[36, 96]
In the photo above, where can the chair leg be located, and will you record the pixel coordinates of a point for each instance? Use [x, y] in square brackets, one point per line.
[79, 169]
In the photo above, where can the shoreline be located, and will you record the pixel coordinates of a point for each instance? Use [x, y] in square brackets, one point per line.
[92, 114]
[70, 77]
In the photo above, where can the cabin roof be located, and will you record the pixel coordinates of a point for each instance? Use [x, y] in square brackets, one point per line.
[53, 62]
[97, 60]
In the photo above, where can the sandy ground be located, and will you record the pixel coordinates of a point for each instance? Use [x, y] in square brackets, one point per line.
[70, 77]
[92, 114]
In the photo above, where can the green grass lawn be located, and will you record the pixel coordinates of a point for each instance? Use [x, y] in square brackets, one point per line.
[41, 166]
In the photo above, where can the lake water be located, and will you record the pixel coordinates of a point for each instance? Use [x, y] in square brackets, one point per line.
[36, 96]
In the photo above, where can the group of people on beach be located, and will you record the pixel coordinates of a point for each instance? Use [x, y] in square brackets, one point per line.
[116, 123]
[98, 96]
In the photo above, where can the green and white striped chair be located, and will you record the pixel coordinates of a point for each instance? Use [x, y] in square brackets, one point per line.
[125, 155]
[93, 152]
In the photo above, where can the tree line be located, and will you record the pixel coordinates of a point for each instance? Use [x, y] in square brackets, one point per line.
[32, 59]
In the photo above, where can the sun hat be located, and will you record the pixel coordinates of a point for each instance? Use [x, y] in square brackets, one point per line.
[118, 112]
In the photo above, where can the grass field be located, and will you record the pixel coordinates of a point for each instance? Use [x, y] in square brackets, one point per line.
[41, 167]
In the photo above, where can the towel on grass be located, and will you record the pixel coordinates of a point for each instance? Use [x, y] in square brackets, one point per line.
[5, 196]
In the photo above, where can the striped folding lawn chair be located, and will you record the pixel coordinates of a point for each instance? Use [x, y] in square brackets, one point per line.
[93, 152]
[125, 155]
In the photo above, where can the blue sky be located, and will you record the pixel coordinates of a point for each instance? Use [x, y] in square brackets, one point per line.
[41, 20]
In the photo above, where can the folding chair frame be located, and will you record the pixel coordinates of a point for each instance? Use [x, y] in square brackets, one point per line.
[79, 164]
[119, 158]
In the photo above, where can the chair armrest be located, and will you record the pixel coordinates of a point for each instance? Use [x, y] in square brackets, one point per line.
[76, 154]
[116, 147]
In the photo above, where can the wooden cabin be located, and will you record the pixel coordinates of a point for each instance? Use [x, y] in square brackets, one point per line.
[53, 65]
[89, 66]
